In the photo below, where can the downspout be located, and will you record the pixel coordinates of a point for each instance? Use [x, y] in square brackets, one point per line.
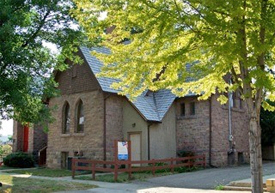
[230, 137]
[210, 131]
[148, 139]
[104, 127]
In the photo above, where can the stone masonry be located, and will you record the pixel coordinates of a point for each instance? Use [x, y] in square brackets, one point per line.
[78, 83]
[193, 133]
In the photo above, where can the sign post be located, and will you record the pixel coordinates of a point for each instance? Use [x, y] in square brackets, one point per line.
[123, 153]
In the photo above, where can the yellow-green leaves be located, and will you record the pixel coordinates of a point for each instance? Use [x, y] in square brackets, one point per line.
[152, 42]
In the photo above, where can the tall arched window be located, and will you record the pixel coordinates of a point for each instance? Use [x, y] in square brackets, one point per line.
[79, 117]
[66, 118]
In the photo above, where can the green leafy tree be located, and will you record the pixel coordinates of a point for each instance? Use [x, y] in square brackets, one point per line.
[26, 26]
[216, 38]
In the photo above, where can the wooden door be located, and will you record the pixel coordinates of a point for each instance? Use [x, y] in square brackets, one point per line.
[135, 139]
[26, 138]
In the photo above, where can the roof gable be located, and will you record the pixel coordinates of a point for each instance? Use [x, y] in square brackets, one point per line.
[151, 105]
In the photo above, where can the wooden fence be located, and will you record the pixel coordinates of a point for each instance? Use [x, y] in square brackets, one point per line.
[150, 165]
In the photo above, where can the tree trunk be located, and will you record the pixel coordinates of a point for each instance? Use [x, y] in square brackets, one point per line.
[255, 155]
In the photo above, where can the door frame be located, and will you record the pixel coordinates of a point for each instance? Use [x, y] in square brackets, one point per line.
[140, 143]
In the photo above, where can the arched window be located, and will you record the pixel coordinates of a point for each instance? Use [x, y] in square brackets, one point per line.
[79, 117]
[66, 118]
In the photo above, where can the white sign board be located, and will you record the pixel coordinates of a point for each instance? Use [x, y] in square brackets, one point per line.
[122, 150]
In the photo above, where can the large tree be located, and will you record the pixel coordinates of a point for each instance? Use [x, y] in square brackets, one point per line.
[215, 38]
[26, 28]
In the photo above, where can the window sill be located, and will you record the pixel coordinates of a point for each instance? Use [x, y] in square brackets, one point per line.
[79, 134]
[238, 110]
[65, 135]
[187, 117]
[234, 109]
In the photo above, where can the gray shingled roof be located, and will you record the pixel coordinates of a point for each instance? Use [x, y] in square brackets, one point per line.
[151, 105]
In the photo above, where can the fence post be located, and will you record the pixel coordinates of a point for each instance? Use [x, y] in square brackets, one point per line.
[172, 165]
[129, 161]
[73, 168]
[116, 160]
[93, 170]
[154, 169]
[204, 162]
[189, 162]
[116, 170]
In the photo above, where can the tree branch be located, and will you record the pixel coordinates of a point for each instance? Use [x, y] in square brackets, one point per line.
[33, 36]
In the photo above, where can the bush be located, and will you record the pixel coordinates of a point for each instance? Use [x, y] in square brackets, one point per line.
[183, 153]
[5, 150]
[19, 159]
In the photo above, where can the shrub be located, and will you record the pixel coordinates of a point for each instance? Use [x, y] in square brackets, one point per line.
[5, 150]
[19, 159]
[183, 153]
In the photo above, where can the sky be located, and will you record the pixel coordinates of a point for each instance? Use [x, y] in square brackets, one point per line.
[7, 127]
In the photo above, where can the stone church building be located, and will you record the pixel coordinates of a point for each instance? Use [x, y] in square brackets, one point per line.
[90, 115]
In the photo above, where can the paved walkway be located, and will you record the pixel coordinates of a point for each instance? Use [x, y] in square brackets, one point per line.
[193, 182]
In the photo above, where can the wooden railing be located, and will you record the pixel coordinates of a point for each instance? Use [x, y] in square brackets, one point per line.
[151, 165]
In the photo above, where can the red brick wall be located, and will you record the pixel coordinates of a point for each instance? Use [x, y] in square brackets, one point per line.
[240, 127]
[193, 131]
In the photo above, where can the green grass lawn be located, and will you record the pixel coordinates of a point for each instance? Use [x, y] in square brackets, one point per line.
[3, 167]
[45, 172]
[122, 177]
[27, 185]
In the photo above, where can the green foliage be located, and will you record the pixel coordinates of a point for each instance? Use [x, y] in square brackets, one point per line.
[268, 126]
[186, 169]
[189, 46]
[183, 153]
[225, 37]
[25, 62]
[19, 159]
[5, 150]
[219, 187]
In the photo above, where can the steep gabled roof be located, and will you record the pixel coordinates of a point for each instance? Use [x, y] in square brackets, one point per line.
[151, 105]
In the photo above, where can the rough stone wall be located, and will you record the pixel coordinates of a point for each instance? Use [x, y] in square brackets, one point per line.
[76, 83]
[114, 122]
[193, 130]
[90, 142]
